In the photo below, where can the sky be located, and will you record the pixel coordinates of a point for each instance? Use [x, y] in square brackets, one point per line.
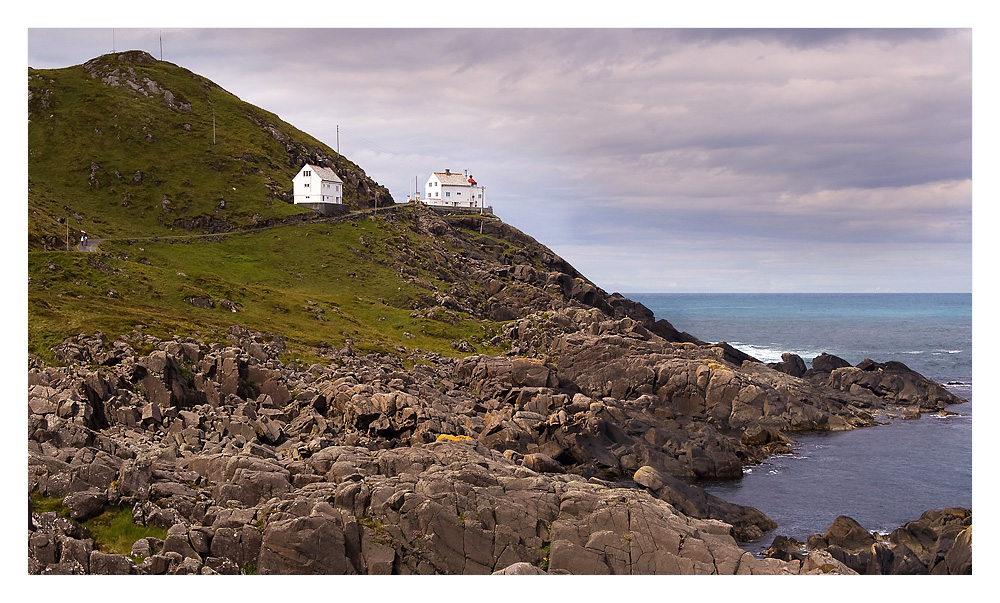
[653, 159]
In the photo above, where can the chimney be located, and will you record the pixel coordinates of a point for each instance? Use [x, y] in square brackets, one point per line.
[447, 172]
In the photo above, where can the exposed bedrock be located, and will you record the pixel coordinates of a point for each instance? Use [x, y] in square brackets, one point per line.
[939, 542]
[575, 459]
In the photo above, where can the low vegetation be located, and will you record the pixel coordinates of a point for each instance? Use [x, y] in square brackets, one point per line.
[316, 284]
[113, 531]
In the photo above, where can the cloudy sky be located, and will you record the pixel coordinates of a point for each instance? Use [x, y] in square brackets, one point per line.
[682, 160]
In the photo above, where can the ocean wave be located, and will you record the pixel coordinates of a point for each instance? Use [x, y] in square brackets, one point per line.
[768, 354]
[947, 351]
[913, 352]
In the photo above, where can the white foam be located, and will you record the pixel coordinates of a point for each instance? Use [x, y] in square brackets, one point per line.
[768, 354]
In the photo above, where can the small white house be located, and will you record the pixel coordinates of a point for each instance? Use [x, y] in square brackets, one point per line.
[452, 190]
[315, 184]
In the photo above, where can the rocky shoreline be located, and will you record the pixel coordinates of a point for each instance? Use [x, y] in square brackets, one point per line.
[577, 453]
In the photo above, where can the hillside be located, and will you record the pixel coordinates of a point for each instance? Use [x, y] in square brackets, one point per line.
[197, 236]
[126, 145]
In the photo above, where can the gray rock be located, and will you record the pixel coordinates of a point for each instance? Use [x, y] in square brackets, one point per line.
[827, 363]
[542, 463]
[848, 534]
[521, 568]
[86, 504]
[304, 545]
[104, 564]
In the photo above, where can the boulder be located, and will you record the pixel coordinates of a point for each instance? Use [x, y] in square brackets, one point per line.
[86, 504]
[110, 564]
[791, 364]
[958, 558]
[303, 545]
[848, 534]
[542, 463]
[827, 363]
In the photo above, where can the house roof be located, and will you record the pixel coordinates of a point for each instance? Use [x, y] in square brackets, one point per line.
[324, 173]
[452, 179]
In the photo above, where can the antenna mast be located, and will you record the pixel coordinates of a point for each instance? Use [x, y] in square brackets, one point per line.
[161, 46]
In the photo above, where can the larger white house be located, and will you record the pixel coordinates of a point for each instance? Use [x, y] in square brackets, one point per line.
[315, 184]
[452, 190]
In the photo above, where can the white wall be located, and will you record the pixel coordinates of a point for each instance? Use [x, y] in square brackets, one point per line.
[451, 195]
[312, 188]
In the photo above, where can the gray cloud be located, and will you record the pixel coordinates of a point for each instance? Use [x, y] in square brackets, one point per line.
[752, 147]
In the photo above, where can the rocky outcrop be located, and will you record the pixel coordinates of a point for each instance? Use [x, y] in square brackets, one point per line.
[791, 364]
[940, 542]
[748, 523]
[894, 382]
[827, 363]
[571, 459]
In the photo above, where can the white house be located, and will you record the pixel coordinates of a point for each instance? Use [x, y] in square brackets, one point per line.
[452, 190]
[315, 184]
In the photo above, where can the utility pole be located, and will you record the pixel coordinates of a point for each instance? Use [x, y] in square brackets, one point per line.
[161, 46]
[338, 139]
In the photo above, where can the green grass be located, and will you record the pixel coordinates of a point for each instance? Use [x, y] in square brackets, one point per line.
[113, 530]
[47, 504]
[315, 284]
[87, 140]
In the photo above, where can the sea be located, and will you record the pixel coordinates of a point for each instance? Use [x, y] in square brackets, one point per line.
[882, 476]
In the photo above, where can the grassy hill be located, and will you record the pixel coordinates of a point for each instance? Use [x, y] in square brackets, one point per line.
[200, 235]
[125, 145]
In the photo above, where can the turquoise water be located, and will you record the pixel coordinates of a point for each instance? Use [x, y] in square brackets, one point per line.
[881, 476]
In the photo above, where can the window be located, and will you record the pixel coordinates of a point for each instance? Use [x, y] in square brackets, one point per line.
[306, 185]
[448, 194]
[307, 173]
